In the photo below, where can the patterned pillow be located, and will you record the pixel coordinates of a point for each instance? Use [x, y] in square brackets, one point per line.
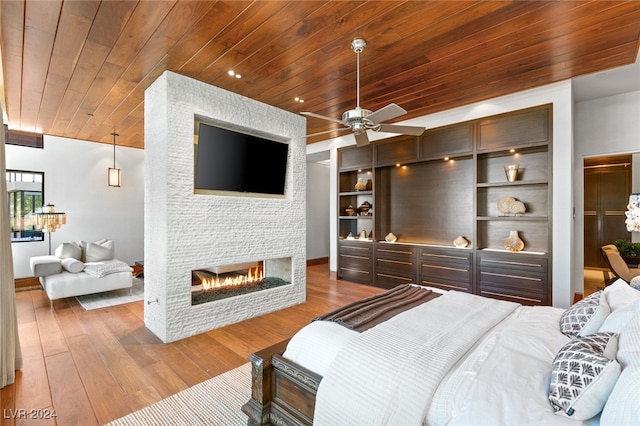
[584, 374]
[586, 316]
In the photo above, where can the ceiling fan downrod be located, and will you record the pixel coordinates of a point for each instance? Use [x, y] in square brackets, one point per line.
[358, 45]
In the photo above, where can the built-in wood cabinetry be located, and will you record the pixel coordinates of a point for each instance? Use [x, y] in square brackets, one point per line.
[429, 190]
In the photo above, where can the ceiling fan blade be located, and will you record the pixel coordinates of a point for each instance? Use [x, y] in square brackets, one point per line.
[329, 131]
[361, 139]
[389, 112]
[323, 117]
[397, 128]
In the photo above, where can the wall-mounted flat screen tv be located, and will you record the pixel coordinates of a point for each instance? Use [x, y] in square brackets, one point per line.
[235, 162]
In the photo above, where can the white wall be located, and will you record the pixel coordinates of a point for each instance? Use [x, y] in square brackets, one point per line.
[318, 213]
[187, 231]
[75, 175]
[603, 126]
[565, 281]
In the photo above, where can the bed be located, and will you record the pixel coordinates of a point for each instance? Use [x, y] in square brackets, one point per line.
[456, 359]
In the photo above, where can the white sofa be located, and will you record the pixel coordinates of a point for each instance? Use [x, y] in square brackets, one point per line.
[80, 268]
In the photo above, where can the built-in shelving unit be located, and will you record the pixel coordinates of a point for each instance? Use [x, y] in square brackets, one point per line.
[429, 190]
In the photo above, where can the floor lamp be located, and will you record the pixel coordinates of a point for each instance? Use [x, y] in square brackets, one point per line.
[48, 220]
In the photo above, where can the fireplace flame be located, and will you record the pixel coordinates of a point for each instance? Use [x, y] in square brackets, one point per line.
[212, 282]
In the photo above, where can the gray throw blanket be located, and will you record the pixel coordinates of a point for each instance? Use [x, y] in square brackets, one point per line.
[366, 313]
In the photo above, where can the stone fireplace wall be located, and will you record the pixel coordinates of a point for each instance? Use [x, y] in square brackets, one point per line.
[185, 231]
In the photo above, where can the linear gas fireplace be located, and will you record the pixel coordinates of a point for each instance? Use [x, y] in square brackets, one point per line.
[220, 282]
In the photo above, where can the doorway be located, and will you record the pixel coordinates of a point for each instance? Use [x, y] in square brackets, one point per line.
[607, 185]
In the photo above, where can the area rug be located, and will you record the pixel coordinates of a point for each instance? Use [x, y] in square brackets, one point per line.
[216, 401]
[114, 297]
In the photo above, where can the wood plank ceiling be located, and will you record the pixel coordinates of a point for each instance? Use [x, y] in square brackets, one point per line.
[79, 69]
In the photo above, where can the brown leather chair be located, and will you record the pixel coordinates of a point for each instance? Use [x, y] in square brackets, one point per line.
[617, 264]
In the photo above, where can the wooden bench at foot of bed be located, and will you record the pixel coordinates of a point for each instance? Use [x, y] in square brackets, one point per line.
[282, 392]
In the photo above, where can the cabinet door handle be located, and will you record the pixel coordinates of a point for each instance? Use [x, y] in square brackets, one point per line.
[394, 277]
[446, 256]
[519, 277]
[355, 257]
[354, 270]
[394, 251]
[502, 262]
[395, 261]
[444, 267]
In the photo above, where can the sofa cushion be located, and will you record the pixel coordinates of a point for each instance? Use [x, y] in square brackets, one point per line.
[99, 251]
[42, 266]
[72, 265]
[69, 250]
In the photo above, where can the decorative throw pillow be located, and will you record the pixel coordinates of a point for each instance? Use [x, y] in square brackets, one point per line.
[584, 375]
[69, 250]
[72, 265]
[586, 316]
[99, 251]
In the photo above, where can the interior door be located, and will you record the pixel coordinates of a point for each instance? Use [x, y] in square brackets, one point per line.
[607, 185]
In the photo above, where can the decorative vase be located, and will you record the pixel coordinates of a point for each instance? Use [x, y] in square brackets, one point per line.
[460, 242]
[364, 208]
[511, 170]
[361, 185]
[513, 243]
[390, 238]
[363, 235]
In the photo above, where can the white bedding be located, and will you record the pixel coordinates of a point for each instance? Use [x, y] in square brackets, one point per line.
[405, 355]
[505, 378]
[502, 379]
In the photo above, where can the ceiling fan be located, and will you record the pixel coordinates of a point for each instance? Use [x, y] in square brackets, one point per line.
[359, 120]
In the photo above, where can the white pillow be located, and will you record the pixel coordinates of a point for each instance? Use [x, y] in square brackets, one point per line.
[72, 265]
[69, 250]
[618, 320]
[629, 344]
[99, 251]
[623, 405]
[620, 295]
[583, 376]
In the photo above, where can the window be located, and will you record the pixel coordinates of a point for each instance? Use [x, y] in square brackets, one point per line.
[26, 196]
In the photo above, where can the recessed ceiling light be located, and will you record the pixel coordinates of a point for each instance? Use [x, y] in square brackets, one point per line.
[232, 73]
[297, 99]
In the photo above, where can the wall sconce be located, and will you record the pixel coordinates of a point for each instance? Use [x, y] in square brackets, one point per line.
[633, 213]
[113, 173]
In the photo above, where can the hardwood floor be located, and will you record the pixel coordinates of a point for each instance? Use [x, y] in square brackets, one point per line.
[91, 367]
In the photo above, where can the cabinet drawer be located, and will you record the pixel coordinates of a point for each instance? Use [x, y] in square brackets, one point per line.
[390, 280]
[514, 276]
[447, 269]
[357, 275]
[356, 248]
[354, 261]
